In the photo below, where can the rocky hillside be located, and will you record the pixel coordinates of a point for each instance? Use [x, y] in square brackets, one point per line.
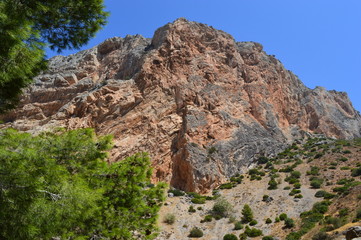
[312, 190]
[203, 105]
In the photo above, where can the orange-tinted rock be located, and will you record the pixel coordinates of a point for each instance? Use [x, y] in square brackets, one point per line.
[204, 106]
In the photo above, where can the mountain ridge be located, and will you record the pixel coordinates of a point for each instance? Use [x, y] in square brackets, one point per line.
[203, 105]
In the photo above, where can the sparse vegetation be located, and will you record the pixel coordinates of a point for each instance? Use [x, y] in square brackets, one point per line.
[195, 233]
[252, 232]
[222, 207]
[169, 218]
[230, 237]
[207, 218]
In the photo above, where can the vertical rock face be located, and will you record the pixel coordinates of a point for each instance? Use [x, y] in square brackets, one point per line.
[203, 105]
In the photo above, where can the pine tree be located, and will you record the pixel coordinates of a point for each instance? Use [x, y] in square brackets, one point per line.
[247, 214]
[27, 27]
[58, 184]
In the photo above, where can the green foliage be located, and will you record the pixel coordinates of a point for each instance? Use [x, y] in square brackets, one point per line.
[324, 194]
[321, 207]
[316, 182]
[195, 233]
[321, 236]
[356, 172]
[191, 209]
[58, 184]
[283, 216]
[222, 207]
[252, 232]
[277, 219]
[272, 184]
[268, 221]
[253, 222]
[230, 237]
[247, 214]
[169, 218]
[294, 192]
[263, 160]
[27, 27]
[226, 186]
[268, 238]
[358, 214]
[343, 212]
[342, 159]
[314, 171]
[238, 225]
[176, 192]
[243, 236]
[207, 218]
[289, 223]
[200, 200]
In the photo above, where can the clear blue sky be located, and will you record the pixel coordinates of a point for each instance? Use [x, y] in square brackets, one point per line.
[319, 40]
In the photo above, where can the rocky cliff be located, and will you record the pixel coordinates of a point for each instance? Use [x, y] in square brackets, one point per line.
[203, 105]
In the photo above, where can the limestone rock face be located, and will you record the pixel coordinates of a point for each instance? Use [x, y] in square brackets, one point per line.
[204, 106]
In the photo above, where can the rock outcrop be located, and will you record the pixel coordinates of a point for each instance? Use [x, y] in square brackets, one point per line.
[203, 105]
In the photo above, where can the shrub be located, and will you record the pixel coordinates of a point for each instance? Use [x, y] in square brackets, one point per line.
[268, 238]
[226, 186]
[253, 232]
[321, 236]
[176, 192]
[207, 218]
[358, 214]
[222, 207]
[320, 207]
[342, 159]
[283, 216]
[324, 194]
[295, 174]
[272, 184]
[231, 219]
[314, 171]
[265, 198]
[297, 185]
[212, 150]
[253, 222]
[200, 200]
[243, 236]
[289, 223]
[316, 182]
[356, 172]
[343, 212]
[294, 192]
[191, 209]
[263, 160]
[195, 233]
[277, 219]
[247, 214]
[320, 194]
[230, 237]
[238, 225]
[298, 196]
[346, 152]
[268, 221]
[169, 218]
